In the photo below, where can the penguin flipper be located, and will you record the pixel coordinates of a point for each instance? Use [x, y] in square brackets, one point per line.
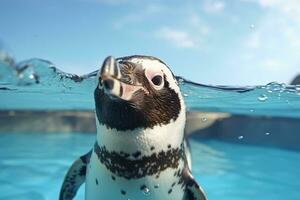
[74, 177]
[188, 153]
[193, 190]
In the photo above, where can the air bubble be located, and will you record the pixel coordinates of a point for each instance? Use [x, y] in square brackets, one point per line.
[262, 97]
[185, 95]
[21, 76]
[241, 137]
[252, 26]
[146, 191]
[31, 76]
[204, 119]
[267, 133]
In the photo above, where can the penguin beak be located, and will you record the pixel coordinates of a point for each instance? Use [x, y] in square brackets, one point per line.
[113, 80]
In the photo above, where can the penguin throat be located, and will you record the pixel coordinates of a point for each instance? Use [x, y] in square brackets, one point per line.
[142, 112]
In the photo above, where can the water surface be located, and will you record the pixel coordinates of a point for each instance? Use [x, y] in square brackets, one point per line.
[38, 85]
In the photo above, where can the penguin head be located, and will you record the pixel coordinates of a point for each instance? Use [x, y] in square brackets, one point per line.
[136, 92]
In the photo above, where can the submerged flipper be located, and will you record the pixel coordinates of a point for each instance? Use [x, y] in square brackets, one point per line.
[193, 190]
[74, 178]
[188, 153]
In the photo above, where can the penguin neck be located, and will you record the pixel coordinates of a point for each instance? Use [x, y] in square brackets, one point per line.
[144, 140]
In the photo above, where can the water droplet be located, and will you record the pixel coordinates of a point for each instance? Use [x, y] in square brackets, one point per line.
[275, 87]
[241, 137]
[262, 97]
[267, 133]
[203, 119]
[181, 81]
[252, 26]
[185, 95]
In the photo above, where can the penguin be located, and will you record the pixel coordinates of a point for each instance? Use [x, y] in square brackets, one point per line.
[140, 150]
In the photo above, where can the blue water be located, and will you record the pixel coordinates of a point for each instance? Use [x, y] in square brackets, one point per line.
[33, 165]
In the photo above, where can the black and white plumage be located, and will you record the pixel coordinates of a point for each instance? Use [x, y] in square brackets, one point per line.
[140, 151]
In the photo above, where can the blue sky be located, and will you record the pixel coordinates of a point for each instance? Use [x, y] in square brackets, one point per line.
[233, 42]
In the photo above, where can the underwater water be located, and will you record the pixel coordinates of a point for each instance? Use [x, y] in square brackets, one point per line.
[33, 164]
[33, 167]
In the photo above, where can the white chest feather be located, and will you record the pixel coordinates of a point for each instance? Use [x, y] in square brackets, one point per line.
[101, 183]
[138, 164]
[144, 140]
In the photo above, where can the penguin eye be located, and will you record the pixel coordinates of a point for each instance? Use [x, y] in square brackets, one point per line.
[157, 80]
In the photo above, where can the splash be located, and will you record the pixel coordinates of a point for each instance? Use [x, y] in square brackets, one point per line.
[37, 84]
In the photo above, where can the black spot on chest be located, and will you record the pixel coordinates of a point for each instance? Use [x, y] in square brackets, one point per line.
[123, 192]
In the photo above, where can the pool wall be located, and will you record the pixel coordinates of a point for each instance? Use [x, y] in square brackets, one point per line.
[47, 121]
[255, 130]
[280, 132]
